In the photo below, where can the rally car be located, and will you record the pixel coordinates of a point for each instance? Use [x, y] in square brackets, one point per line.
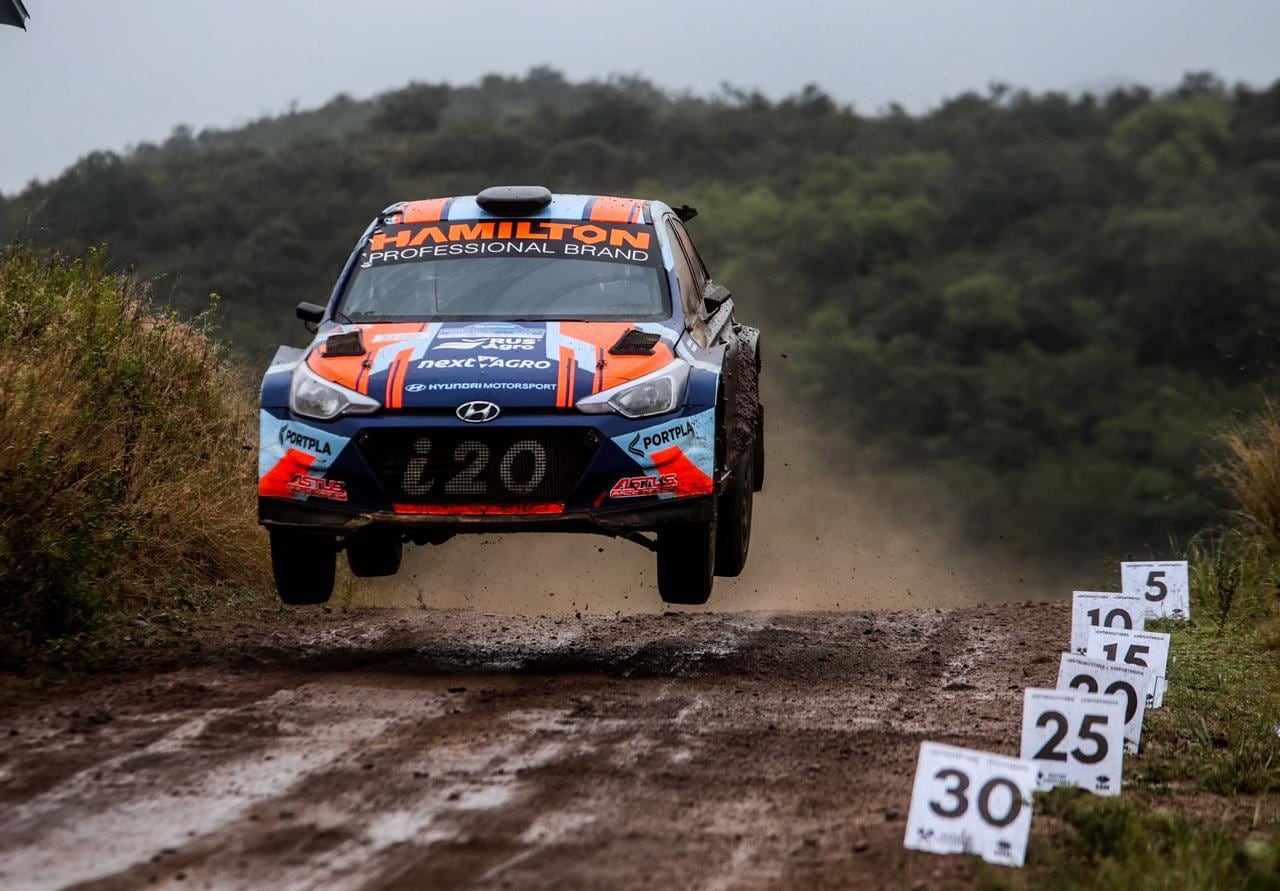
[515, 361]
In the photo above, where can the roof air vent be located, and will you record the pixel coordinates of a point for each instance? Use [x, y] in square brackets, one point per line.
[514, 201]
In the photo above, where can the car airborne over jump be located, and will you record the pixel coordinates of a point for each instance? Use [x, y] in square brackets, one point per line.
[515, 361]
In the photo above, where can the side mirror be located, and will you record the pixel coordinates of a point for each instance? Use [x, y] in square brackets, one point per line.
[716, 297]
[685, 212]
[311, 315]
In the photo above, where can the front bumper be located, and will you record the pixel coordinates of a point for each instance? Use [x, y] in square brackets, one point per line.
[604, 473]
[281, 512]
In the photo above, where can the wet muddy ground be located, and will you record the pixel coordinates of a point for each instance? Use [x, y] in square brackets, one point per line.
[445, 749]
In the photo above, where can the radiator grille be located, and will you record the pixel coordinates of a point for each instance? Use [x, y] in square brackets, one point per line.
[472, 466]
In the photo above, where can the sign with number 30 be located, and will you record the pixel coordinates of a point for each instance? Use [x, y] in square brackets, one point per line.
[969, 802]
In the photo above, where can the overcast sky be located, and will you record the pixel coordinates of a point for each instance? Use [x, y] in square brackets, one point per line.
[109, 73]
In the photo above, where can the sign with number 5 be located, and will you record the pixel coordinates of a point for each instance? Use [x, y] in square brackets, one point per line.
[1163, 587]
[969, 802]
[1074, 738]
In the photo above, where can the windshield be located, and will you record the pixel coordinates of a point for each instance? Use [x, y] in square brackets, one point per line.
[507, 271]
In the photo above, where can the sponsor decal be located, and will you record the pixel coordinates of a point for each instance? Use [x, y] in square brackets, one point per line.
[488, 385]
[397, 336]
[490, 343]
[685, 446]
[298, 439]
[616, 242]
[636, 486]
[488, 362]
[643, 443]
[279, 438]
[496, 336]
[317, 487]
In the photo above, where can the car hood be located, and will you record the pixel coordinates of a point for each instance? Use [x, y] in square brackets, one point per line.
[524, 365]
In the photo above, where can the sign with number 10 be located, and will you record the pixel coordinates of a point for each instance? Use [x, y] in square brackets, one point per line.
[1162, 586]
[968, 802]
[1100, 609]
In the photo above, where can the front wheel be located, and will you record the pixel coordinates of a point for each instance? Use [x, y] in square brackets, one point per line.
[686, 562]
[303, 564]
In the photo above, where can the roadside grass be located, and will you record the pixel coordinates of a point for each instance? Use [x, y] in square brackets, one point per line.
[126, 456]
[1201, 802]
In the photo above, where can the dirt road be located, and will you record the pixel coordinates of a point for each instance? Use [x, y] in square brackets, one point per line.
[439, 749]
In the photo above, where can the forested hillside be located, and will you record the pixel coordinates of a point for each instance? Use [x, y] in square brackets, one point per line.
[1048, 303]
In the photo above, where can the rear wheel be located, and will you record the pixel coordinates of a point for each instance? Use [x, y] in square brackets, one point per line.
[303, 564]
[374, 552]
[686, 562]
[733, 521]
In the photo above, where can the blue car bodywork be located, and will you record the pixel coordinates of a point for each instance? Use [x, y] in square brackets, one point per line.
[472, 425]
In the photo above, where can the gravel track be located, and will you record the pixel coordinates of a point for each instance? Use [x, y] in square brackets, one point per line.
[444, 749]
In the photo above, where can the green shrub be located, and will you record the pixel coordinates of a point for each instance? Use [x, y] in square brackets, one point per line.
[126, 462]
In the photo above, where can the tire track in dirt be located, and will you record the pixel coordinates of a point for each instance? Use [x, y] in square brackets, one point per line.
[410, 749]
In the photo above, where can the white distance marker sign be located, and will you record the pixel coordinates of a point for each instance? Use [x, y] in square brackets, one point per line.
[1074, 738]
[969, 802]
[1163, 587]
[1146, 650]
[1097, 676]
[1100, 609]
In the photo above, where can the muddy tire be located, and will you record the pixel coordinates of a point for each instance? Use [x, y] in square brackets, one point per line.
[374, 553]
[733, 518]
[686, 562]
[757, 456]
[303, 564]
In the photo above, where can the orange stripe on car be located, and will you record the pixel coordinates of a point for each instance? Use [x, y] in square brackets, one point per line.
[614, 210]
[275, 482]
[563, 387]
[430, 210]
[689, 479]
[395, 379]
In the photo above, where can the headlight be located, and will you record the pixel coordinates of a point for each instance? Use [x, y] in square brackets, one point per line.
[314, 397]
[656, 393]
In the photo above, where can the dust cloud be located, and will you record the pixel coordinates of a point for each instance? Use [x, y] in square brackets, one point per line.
[830, 532]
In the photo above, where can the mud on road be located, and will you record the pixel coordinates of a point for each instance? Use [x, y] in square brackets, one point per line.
[442, 749]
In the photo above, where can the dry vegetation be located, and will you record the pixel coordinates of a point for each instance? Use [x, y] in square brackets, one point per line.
[126, 460]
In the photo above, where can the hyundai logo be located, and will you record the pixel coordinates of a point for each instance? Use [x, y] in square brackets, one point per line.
[478, 412]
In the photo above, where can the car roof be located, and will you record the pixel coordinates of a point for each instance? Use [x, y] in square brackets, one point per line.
[593, 208]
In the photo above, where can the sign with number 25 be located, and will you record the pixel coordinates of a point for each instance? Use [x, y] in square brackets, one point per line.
[968, 802]
[1075, 738]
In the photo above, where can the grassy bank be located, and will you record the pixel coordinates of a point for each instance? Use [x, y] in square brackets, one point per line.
[1201, 805]
[126, 455]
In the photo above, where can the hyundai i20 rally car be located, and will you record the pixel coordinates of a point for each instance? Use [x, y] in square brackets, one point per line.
[515, 361]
